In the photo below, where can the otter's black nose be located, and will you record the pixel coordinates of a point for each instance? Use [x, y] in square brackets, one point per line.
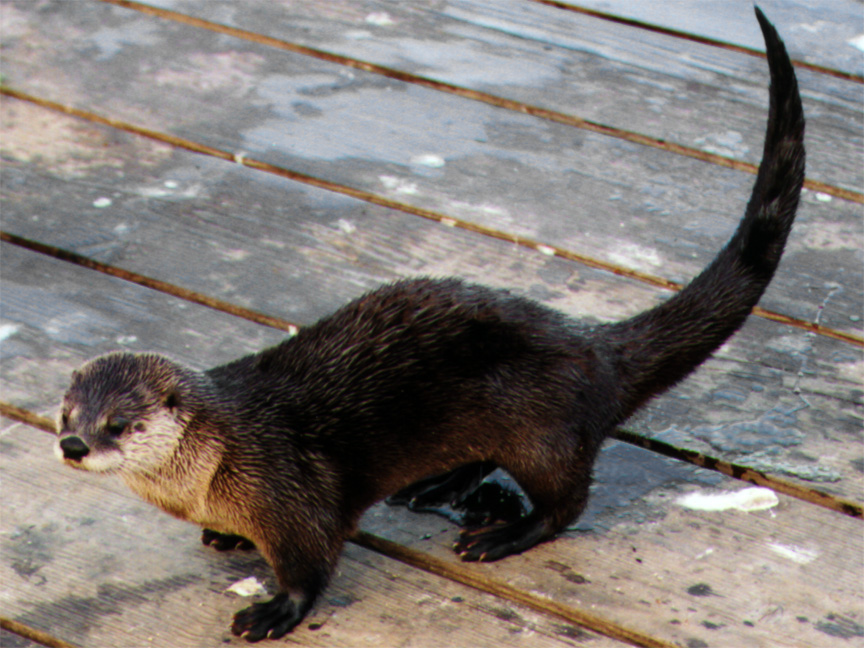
[74, 448]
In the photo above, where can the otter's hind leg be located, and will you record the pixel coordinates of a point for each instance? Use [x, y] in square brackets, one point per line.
[427, 495]
[496, 541]
[557, 487]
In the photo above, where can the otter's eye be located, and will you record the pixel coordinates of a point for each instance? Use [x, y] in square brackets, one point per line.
[172, 400]
[116, 426]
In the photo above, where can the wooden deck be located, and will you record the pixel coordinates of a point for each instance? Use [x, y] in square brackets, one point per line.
[197, 178]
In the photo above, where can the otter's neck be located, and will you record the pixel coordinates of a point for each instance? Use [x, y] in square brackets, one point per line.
[180, 485]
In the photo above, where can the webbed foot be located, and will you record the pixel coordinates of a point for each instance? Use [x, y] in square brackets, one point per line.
[428, 495]
[272, 619]
[490, 503]
[494, 542]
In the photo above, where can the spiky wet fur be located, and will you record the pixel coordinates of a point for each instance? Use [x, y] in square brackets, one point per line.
[289, 446]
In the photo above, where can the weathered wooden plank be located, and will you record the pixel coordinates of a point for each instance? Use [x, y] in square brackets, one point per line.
[571, 63]
[774, 397]
[661, 214]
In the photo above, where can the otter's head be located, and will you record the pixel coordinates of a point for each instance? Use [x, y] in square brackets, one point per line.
[124, 413]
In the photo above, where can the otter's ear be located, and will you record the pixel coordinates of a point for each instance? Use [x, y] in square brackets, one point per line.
[172, 401]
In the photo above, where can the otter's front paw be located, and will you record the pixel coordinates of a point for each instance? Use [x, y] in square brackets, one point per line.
[225, 541]
[272, 619]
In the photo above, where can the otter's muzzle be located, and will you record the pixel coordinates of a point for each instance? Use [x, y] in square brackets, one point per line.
[74, 448]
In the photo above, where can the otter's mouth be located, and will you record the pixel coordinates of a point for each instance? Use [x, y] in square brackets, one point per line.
[75, 453]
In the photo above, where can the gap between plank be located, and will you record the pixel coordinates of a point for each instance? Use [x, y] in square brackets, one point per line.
[375, 199]
[475, 95]
[33, 634]
[704, 40]
[451, 571]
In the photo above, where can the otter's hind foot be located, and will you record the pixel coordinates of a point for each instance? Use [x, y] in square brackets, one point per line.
[225, 541]
[428, 495]
[272, 619]
[489, 543]
[490, 503]
[460, 497]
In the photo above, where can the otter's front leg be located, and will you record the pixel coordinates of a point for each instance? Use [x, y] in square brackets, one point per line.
[302, 575]
[272, 619]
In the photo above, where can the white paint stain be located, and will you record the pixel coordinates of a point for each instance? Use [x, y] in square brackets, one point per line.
[379, 18]
[492, 210]
[789, 343]
[747, 499]
[851, 371]
[99, 203]
[235, 255]
[346, 226]
[169, 189]
[428, 160]
[636, 257]
[247, 587]
[813, 27]
[7, 331]
[398, 185]
[795, 554]
[545, 249]
[729, 144]
[823, 197]
[857, 42]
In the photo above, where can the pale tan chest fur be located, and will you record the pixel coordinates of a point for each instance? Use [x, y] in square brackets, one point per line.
[181, 487]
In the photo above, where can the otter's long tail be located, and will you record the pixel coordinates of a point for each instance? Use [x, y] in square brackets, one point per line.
[661, 346]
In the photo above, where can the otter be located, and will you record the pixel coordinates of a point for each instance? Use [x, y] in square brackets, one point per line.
[417, 390]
